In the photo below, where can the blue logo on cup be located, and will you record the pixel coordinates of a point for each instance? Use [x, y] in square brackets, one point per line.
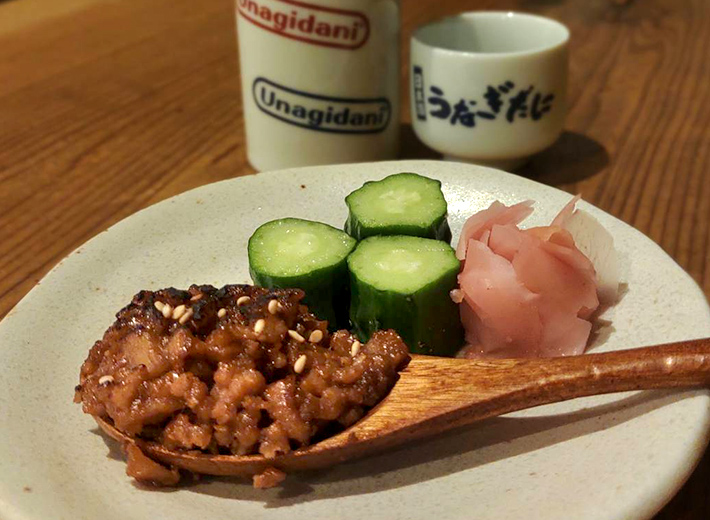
[505, 101]
[419, 96]
[321, 113]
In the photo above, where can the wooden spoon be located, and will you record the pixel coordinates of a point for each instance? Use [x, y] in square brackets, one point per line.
[436, 394]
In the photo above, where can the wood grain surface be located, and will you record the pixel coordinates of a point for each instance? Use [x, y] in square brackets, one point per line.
[107, 106]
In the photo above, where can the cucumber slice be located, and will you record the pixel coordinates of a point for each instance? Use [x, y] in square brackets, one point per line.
[403, 283]
[308, 255]
[401, 204]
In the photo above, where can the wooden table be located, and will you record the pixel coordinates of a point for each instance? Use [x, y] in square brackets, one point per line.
[108, 106]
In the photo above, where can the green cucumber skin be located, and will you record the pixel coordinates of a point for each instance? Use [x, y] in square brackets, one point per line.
[437, 230]
[327, 291]
[427, 320]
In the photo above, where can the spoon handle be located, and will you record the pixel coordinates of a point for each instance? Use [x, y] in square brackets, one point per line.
[439, 394]
[681, 364]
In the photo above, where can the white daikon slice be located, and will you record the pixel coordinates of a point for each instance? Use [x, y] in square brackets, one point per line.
[592, 239]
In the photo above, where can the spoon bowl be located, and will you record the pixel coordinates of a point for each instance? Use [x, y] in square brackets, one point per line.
[436, 394]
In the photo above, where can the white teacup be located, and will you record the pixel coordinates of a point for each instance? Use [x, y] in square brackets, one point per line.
[489, 87]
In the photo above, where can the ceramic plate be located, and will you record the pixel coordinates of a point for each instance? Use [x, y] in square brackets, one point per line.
[600, 458]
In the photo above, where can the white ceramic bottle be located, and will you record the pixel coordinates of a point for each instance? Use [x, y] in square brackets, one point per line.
[320, 80]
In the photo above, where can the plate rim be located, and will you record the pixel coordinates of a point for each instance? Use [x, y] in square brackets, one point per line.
[521, 183]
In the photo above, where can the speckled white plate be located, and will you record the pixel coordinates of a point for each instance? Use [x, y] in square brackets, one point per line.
[601, 458]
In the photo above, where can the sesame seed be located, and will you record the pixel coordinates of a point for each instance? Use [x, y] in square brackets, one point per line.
[178, 312]
[196, 297]
[259, 326]
[300, 364]
[221, 313]
[315, 336]
[274, 306]
[243, 300]
[295, 335]
[105, 380]
[355, 348]
[456, 295]
[185, 317]
[167, 311]
[159, 306]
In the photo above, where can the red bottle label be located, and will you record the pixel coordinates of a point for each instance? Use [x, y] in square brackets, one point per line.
[317, 25]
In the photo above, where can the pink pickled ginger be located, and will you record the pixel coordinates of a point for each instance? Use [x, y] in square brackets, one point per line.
[525, 293]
